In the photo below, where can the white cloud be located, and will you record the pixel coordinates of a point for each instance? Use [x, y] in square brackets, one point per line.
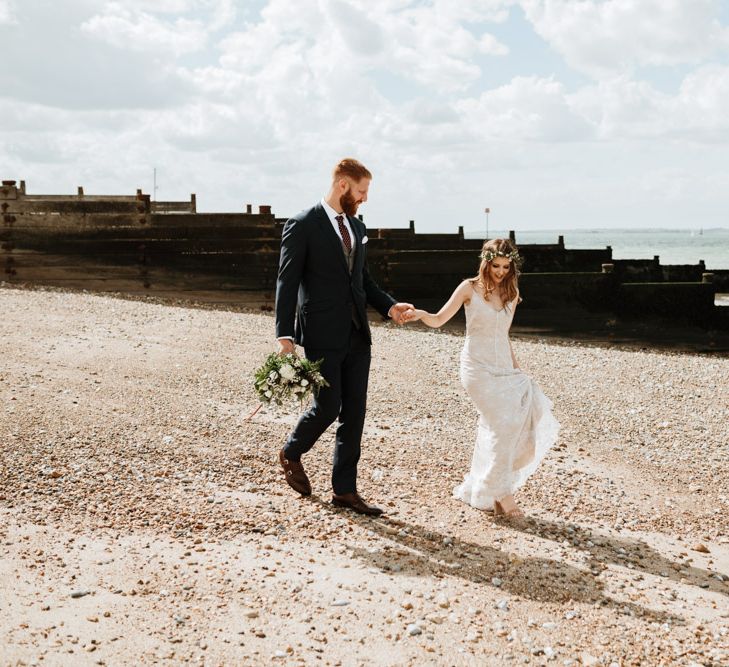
[210, 127]
[364, 37]
[163, 6]
[704, 100]
[69, 69]
[622, 108]
[488, 44]
[528, 108]
[427, 44]
[626, 109]
[221, 12]
[139, 31]
[7, 13]
[494, 11]
[432, 45]
[607, 38]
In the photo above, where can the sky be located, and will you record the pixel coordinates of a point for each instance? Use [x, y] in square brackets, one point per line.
[554, 114]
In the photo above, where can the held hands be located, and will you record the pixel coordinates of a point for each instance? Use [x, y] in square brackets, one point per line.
[408, 314]
[414, 314]
[397, 312]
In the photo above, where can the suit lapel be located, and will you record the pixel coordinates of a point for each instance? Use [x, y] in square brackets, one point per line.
[328, 231]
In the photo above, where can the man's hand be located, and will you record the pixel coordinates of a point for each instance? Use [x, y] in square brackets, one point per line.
[397, 312]
[286, 346]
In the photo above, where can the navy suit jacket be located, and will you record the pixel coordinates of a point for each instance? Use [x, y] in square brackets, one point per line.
[315, 291]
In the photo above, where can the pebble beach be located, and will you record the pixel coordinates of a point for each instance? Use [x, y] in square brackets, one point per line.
[144, 519]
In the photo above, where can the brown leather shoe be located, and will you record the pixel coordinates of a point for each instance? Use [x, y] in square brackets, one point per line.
[354, 502]
[295, 475]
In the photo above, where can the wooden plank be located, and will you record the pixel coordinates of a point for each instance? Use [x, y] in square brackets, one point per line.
[220, 236]
[223, 220]
[91, 247]
[32, 273]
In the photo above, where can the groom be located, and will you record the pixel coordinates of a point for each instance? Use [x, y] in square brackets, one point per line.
[323, 279]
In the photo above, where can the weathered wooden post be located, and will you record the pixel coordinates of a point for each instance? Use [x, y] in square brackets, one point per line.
[8, 191]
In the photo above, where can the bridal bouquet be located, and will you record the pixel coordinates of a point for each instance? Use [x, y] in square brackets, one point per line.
[285, 377]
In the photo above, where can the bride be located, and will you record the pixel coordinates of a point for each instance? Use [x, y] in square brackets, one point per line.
[515, 427]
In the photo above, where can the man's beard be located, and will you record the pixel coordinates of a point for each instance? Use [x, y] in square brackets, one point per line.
[348, 203]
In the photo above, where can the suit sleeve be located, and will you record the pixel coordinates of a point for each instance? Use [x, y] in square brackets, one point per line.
[290, 271]
[377, 298]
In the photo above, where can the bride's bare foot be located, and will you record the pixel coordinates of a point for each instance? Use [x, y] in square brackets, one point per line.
[507, 507]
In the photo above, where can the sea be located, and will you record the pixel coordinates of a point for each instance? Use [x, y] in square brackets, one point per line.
[673, 246]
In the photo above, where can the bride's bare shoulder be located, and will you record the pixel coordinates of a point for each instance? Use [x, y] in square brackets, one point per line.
[466, 289]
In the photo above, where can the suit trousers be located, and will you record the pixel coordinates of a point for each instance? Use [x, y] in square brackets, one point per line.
[347, 372]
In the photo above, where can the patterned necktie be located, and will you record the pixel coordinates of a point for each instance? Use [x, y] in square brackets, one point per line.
[346, 238]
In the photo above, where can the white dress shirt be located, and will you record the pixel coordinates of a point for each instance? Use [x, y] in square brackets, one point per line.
[332, 218]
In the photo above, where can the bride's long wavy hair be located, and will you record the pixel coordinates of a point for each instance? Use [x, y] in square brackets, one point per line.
[509, 287]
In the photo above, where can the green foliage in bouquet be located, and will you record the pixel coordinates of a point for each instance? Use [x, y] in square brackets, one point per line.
[285, 377]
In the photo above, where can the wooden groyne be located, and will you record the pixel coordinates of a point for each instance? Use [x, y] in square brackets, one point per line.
[128, 243]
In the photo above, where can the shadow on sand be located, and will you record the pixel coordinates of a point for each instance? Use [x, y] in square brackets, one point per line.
[419, 551]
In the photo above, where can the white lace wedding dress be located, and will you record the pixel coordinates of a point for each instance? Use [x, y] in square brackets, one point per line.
[516, 427]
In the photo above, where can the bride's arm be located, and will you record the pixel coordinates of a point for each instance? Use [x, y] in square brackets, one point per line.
[450, 308]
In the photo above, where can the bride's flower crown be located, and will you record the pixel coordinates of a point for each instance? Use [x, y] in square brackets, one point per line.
[490, 255]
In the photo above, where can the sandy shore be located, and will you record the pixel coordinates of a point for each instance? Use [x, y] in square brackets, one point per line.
[143, 521]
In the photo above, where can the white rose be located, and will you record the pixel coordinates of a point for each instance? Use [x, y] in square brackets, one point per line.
[287, 372]
[304, 383]
[269, 393]
[273, 376]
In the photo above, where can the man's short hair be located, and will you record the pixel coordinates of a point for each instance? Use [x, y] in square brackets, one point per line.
[351, 168]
